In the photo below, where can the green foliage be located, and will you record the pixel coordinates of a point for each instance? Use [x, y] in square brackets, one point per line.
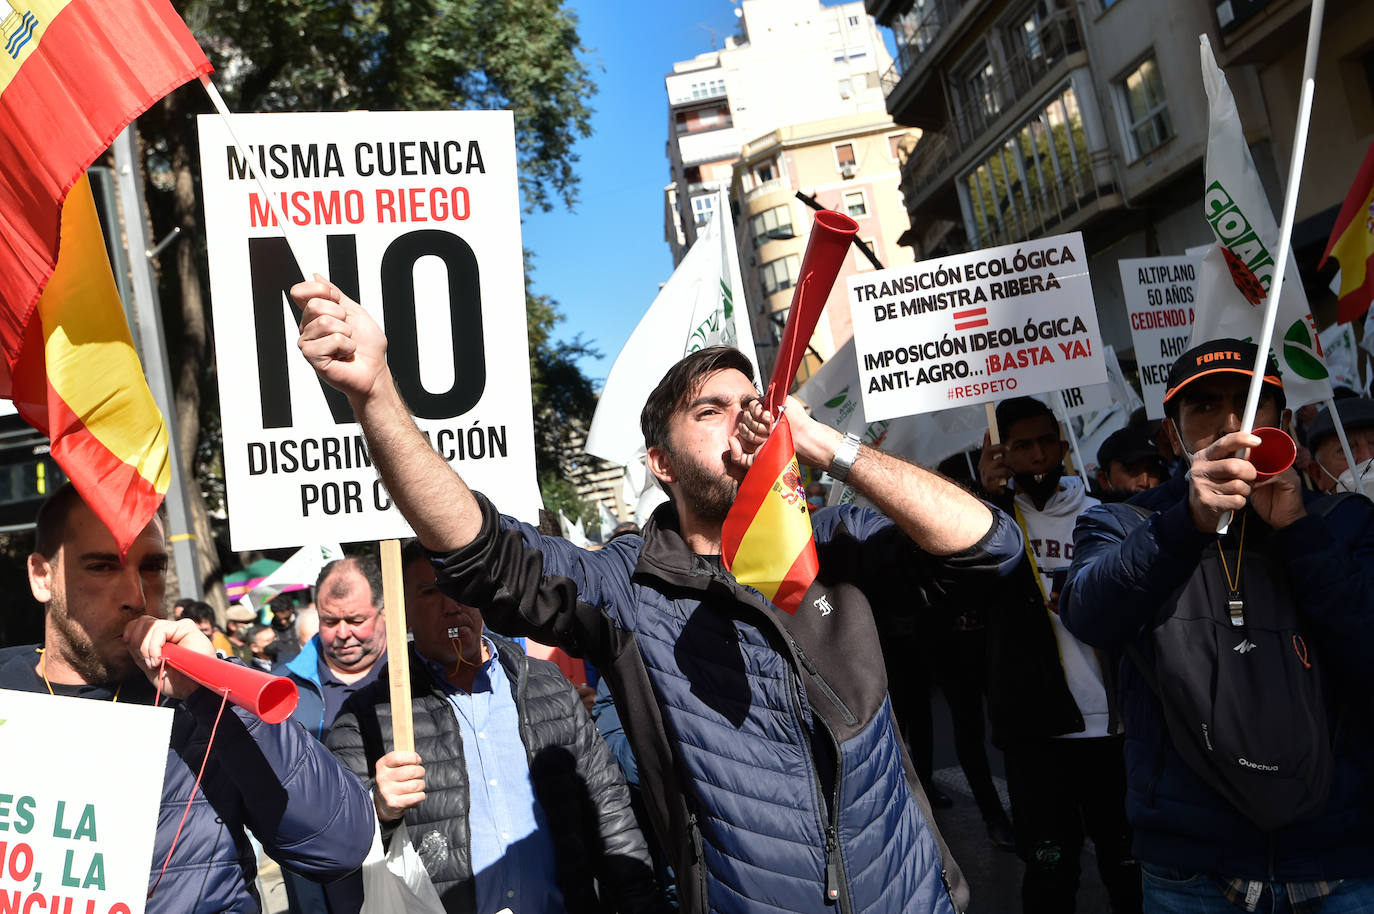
[564, 398]
[561, 495]
[326, 55]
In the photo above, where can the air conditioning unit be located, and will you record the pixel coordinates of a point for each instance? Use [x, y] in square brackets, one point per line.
[849, 170]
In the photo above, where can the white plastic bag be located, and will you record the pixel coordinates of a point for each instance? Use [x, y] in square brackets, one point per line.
[395, 881]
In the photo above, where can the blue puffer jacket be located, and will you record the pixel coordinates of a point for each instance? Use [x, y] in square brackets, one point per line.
[309, 812]
[1125, 569]
[770, 763]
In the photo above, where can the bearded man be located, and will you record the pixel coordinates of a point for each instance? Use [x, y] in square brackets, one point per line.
[771, 766]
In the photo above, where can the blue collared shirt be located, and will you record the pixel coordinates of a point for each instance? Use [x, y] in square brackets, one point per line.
[512, 848]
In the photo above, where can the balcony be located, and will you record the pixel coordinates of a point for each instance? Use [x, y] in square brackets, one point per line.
[917, 32]
[766, 188]
[1062, 205]
[708, 146]
[1056, 40]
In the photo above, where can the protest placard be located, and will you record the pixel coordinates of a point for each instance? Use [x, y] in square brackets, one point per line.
[1160, 294]
[77, 827]
[415, 215]
[976, 327]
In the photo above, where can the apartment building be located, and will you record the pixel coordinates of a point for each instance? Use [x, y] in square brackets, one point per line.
[848, 164]
[1049, 116]
[793, 102]
[793, 61]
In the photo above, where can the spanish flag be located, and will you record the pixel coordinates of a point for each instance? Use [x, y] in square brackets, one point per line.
[78, 380]
[766, 540]
[73, 74]
[1352, 243]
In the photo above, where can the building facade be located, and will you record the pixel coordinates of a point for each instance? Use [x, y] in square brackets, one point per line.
[793, 61]
[847, 164]
[792, 103]
[1041, 117]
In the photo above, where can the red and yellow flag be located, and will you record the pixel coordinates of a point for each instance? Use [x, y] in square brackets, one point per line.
[78, 380]
[766, 540]
[1352, 243]
[73, 74]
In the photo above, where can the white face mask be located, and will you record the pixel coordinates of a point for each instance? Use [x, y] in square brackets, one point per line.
[1346, 482]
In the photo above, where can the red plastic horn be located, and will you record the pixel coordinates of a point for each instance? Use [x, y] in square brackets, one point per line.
[831, 235]
[272, 698]
[1275, 453]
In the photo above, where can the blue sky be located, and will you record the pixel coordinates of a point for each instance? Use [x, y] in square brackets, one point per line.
[603, 262]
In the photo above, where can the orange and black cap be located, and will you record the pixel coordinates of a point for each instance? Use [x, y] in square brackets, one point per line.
[1216, 356]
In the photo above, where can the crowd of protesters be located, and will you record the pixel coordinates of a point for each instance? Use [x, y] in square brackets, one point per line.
[1196, 703]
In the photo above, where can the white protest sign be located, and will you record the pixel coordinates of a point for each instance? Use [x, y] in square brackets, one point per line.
[77, 824]
[976, 327]
[1160, 293]
[417, 216]
[1342, 356]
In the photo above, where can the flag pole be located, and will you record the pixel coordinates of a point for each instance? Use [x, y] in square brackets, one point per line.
[1345, 445]
[1290, 205]
[218, 101]
[1073, 443]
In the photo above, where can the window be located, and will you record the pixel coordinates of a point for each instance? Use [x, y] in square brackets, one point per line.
[777, 323]
[853, 21]
[702, 208]
[981, 86]
[779, 274]
[844, 155]
[855, 204]
[1147, 112]
[861, 261]
[846, 88]
[771, 224]
[763, 173]
[894, 145]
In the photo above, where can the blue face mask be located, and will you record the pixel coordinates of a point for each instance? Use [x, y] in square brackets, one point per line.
[816, 501]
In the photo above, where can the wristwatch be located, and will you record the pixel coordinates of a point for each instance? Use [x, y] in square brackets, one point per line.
[844, 458]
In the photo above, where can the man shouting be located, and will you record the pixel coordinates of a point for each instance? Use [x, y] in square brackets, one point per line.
[771, 766]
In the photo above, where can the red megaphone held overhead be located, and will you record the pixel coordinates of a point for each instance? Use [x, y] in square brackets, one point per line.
[272, 698]
[831, 235]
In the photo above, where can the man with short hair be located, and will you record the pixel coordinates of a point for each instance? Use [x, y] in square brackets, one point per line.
[765, 741]
[344, 655]
[283, 608]
[238, 621]
[104, 633]
[1128, 462]
[508, 775]
[261, 639]
[342, 658]
[1329, 470]
[1158, 561]
[1050, 712]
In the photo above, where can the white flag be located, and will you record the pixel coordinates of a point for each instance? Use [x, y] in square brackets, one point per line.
[572, 531]
[701, 305]
[1238, 270]
[608, 521]
[302, 569]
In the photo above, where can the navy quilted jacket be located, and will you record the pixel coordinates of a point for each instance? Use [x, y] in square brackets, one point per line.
[767, 751]
[1125, 568]
[310, 813]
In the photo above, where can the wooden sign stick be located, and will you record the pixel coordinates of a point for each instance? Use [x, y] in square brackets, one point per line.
[398, 655]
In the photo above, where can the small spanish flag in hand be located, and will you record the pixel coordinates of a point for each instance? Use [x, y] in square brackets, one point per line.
[766, 540]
